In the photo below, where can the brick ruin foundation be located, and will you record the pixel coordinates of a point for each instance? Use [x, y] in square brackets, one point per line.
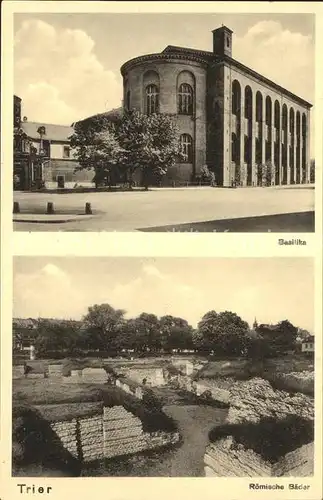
[112, 433]
[276, 416]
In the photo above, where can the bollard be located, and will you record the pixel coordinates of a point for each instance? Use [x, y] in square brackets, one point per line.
[88, 209]
[16, 207]
[50, 208]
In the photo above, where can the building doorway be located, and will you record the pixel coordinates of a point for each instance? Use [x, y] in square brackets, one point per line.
[61, 181]
[21, 176]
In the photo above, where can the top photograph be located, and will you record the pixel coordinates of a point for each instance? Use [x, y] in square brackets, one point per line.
[164, 122]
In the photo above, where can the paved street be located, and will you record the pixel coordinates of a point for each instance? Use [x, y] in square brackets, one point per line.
[187, 209]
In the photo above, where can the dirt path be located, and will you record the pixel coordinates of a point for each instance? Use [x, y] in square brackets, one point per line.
[194, 423]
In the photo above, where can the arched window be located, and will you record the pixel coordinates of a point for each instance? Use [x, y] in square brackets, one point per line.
[259, 117]
[185, 99]
[248, 103]
[236, 98]
[277, 115]
[304, 126]
[234, 148]
[128, 100]
[152, 99]
[268, 111]
[292, 123]
[186, 144]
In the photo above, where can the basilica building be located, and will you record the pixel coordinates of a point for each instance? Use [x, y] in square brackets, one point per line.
[231, 118]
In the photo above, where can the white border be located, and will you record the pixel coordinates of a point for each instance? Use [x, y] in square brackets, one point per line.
[135, 244]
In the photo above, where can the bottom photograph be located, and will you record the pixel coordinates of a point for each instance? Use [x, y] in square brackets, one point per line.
[163, 367]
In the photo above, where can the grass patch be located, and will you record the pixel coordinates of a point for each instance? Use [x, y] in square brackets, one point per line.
[38, 392]
[269, 438]
[68, 411]
[46, 391]
[38, 402]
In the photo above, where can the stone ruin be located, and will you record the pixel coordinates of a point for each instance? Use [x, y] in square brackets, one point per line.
[252, 402]
[152, 377]
[110, 433]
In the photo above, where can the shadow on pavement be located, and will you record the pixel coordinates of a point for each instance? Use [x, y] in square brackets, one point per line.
[302, 222]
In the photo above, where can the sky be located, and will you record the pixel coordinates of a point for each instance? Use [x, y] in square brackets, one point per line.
[67, 66]
[270, 289]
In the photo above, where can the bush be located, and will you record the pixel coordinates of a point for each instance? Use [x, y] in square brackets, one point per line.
[76, 352]
[206, 176]
[153, 419]
[151, 400]
[51, 354]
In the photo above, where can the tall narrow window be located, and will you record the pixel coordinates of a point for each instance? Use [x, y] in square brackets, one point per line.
[186, 144]
[152, 99]
[128, 100]
[185, 99]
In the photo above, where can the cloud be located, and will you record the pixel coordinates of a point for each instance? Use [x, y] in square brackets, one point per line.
[157, 293]
[150, 270]
[52, 270]
[61, 80]
[51, 292]
[284, 56]
[271, 292]
[44, 293]
[58, 75]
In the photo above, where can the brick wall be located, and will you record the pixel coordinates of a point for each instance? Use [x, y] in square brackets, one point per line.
[154, 376]
[87, 376]
[122, 432]
[111, 433]
[66, 431]
[130, 388]
[250, 401]
[91, 438]
[227, 459]
[169, 76]
[66, 169]
[55, 370]
[222, 460]
[199, 387]
[297, 463]
[18, 371]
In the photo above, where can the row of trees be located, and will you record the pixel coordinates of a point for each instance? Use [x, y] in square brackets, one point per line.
[106, 329]
[118, 143]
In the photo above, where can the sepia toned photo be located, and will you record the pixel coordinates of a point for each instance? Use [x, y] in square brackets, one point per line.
[163, 122]
[166, 367]
[130, 355]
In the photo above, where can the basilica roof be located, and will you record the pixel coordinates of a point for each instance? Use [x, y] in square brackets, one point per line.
[210, 58]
